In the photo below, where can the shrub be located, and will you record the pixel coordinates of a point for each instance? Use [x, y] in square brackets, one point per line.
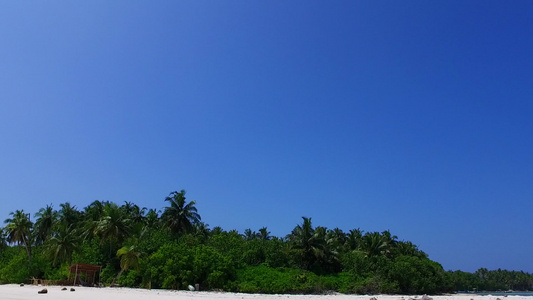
[262, 279]
[416, 275]
[129, 278]
[16, 270]
[175, 266]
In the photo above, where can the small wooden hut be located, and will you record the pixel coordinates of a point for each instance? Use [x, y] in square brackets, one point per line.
[84, 274]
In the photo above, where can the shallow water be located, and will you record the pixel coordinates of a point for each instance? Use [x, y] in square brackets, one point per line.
[504, 293]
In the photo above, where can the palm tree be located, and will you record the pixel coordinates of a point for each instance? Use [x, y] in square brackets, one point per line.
[328, 249]
[139, 214]
[129, 257]
[46, 218]
[69, 215]
[151, 219]
[180, 216]
[308, 244]
[113, 226]
[95, 210]
[3, 239]
[18, 230]
[63, 244]
[374, 244]
[264, 234]
[216, 230]
[335, 240]
[390, 239]
[201, 231]
[92, 214]
[408, 249]
[482, 273]
[249, 234]
[133, 211]
[353, 239]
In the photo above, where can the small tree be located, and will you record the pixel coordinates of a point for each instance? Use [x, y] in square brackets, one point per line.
[18, 230]
[129, 257]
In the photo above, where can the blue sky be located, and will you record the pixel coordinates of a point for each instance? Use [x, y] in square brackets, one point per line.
[412, 116]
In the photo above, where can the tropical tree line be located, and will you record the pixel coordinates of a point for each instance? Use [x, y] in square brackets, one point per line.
[493, 280]
[172, 248]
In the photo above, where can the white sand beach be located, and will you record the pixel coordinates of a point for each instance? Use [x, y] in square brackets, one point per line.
[29, 292]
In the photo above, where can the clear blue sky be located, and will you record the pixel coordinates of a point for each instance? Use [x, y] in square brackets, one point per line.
[413, 116]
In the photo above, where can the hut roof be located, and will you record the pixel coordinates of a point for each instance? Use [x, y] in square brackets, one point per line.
[84, 268]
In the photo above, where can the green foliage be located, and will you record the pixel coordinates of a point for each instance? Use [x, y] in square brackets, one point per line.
[108, 274]
[163, 264]
[357, 264]
[153, 239]
[142, 248]
[16, 270]
[46, 217]
[374, 285]
[180, 216]
[405, 274]
[18, 230]
[493, 280]
[113, 226]
[277, 253]
[307, 244]
[69, 215]
[464, 281]
[89, 252]
[129, 255]
[254, 253]
[176, 266]
[210, 268]
[14, 266]
[61, 246]
[262, 279]
[40, 265]
[7, 255]
[130, 278]
[230, 244]
[60, 273]
[416, 275]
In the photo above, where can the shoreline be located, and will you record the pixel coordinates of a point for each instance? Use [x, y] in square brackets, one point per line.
[29, 292]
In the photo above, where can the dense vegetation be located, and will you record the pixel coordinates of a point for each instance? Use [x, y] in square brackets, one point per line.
[174, 248]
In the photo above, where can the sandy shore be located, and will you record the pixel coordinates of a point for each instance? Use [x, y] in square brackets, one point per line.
[29, 292]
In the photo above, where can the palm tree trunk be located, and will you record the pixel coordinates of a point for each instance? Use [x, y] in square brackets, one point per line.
[28, 250]
[116, 278]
